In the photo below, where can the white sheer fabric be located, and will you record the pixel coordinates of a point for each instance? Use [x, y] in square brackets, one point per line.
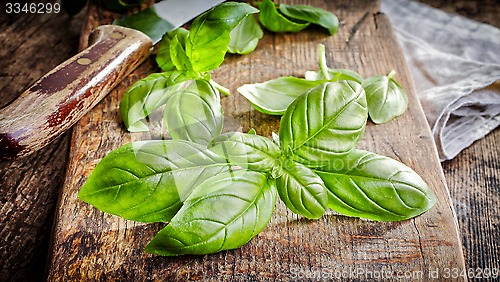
[455, 64]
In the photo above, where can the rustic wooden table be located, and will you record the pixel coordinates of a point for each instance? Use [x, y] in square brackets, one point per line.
[33, 44]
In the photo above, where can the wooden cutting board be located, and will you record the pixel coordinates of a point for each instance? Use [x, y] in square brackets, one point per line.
[91, 245]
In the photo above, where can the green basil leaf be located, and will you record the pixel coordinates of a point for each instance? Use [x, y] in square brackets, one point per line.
[163, 55]
[178, 54]
[146, 21]
[249, 151]
[326, 122]
[367, 185]
[302, 191]
[224, 212]
[148, 181]
[385, 97]
[273, 21]
[148, 94]
[209, 34]
[274, 96]
[312, 15]
[245, 36]
[194, 114]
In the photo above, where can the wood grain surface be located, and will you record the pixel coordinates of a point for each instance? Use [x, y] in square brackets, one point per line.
[89, 244]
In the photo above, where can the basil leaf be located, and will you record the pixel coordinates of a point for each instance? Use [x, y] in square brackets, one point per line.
[146, 21]
[148, 181]
[324, 123]
[194, 114]
[245, 36]
[209, 34]
[386, 98]
[274, 96]
[224, 212]
[163, 56]
[367, 185]
[249, 151]
[310, 14]
[273, 21]
[148, 94]
[302, 191]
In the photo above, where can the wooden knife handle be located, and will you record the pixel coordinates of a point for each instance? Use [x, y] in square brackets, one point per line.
[61, 97]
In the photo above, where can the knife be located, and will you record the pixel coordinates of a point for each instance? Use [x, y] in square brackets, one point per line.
[61, 97]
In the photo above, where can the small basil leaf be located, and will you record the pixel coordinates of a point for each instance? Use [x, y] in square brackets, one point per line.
[148, 181]
[245, 36]
[163, 56]
[225, 212]
[326, 122]
[385, 97]
[302, 191]
[178, 54]
[146, 21]
[121, 5]
[249, 151]
[312, 15]
[209, 34]
[367, 185]
[274, 96]
[148, 94]
[194, 114]
[273, 21]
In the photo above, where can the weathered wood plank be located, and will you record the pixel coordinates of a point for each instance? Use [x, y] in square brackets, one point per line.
[90, 244]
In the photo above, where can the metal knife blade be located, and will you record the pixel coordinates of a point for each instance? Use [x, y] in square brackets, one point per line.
[166, 16]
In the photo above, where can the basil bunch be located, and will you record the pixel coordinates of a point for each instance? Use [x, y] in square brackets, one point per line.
[184, 55]
[219, 190]
[385, 97]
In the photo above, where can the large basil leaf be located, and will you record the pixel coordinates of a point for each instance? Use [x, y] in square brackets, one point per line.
[209, 35]
[223, 213]
[245, 36]
[148, 94]
[273, 21]
[324, 123]
[148, 181]
[302, 191]
[312, 15]
[367, 185]
[249, 151]
[163, 56]
[385, 97]
[274, 96]
[194, 114]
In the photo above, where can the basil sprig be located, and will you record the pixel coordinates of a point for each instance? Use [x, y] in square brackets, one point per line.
[218, 197]
[217, 191]
[386, 99]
